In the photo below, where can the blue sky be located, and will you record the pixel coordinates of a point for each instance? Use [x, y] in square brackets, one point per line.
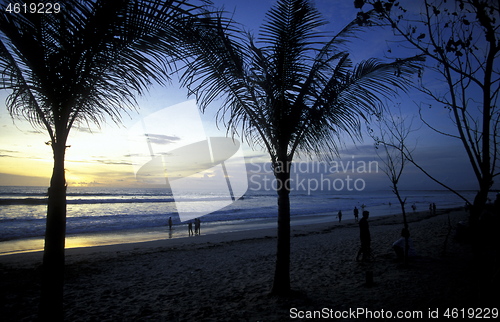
[101, 155]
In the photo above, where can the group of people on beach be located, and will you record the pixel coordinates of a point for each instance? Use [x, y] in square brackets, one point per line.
[356, 214]
[197, 226]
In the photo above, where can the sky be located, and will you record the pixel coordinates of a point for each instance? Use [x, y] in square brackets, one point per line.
[107, 155]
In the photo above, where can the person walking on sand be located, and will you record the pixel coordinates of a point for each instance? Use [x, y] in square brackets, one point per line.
[170, 223]
[356, 213]
[365, 238]
[339, 214]
[190, 228]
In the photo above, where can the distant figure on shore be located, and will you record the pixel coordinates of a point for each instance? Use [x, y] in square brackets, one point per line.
[365, 238]
[414, 207]
[433, 208]
[356, 214]
[339, 215]
[190, 228]
[170, 223]
[399, 245]
[197, 226]
[430, 208]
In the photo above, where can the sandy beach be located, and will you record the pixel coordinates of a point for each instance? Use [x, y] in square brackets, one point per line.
[227, 276]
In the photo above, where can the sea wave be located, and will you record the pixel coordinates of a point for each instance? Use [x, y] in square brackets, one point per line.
[43, 201]
[23, 210]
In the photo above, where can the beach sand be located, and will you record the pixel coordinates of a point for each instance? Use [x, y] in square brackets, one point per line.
[228, 276]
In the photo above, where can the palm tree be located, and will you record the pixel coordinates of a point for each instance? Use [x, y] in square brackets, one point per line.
[83, 64]
[296, 92]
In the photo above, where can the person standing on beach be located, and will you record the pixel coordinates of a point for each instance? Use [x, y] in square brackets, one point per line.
[170, 223]
[190, 228]
[340, 215]
[356, 213]
[365, 238]
[197, 224]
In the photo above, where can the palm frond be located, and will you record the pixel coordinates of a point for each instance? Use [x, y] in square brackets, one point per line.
[291, 89]
[88, 62]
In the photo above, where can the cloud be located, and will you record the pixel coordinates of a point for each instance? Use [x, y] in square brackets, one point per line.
[110, 162]
[86, 130]
[100, 160]
[162, 139]
[8, 153]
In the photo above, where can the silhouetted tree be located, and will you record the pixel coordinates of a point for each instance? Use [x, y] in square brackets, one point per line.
[297, 91]
[84, 63]
[461, 40]
[391, 137]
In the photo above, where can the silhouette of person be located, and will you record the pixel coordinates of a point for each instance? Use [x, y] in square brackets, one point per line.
[399, 245]
[414, 207]
[170, 223]
[340, 215]
[365, 238]
[356, 214]
[433, 208]
[190, 228]
[197, 224]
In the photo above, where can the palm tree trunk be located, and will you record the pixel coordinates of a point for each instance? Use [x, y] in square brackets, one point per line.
[51, 299]
[281, 283]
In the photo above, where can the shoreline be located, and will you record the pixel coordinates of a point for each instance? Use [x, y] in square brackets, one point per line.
[85, 229]
[143, 234]
[148, 234]
[212, 233]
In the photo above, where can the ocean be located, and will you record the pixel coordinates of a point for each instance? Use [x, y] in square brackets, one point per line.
[119, 211]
